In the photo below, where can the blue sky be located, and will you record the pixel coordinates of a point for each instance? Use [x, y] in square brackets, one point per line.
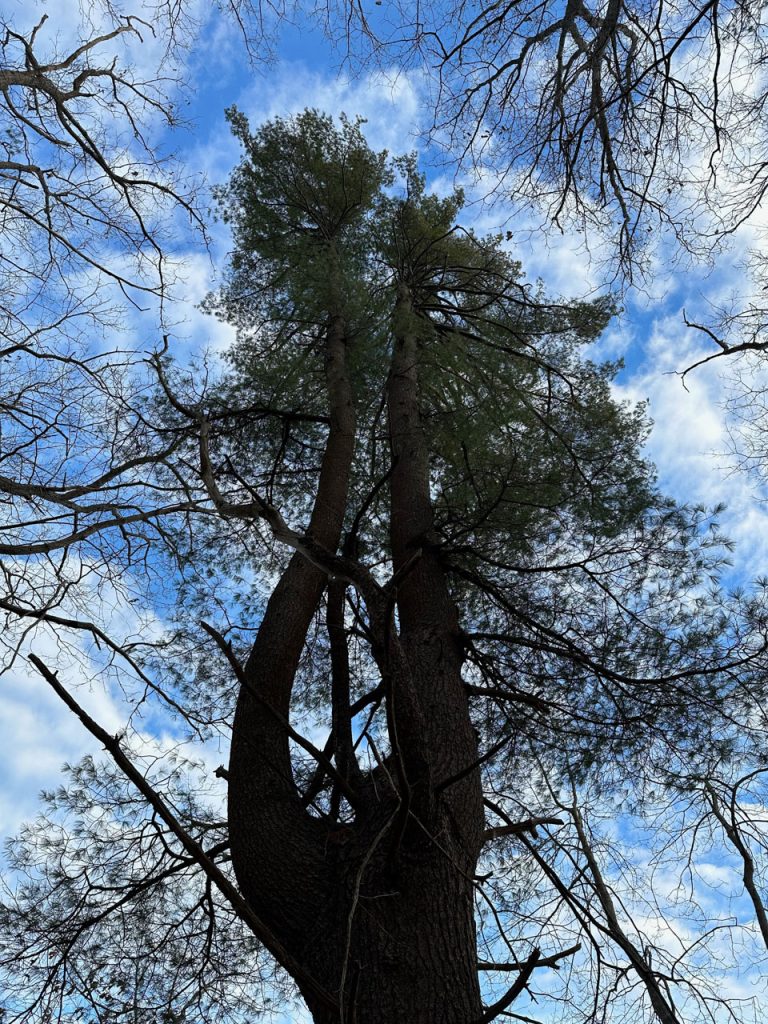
[689, 444]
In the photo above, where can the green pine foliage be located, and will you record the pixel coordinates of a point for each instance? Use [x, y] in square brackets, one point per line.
[573, 574]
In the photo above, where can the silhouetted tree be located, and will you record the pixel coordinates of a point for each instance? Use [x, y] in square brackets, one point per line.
[410, 515]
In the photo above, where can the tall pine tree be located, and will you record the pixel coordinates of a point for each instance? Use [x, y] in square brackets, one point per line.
[473, 585]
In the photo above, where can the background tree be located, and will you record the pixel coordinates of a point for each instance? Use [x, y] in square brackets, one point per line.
[639, 127]
[486, 602]
[626, 119]
[84, 209]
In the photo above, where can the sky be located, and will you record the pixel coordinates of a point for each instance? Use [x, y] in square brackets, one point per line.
[690, 443]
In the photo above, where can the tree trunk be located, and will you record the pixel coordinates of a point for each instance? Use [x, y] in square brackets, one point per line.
[406, 947]
[378, 911]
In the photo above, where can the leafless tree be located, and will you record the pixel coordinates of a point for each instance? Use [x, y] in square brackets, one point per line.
[83, 201]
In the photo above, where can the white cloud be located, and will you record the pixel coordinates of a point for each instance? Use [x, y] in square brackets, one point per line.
[391, 101]
[38, 734]
[720, 876]
[689, 442]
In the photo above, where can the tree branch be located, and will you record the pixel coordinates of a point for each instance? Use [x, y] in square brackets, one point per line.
[526, 970]
[259, 928]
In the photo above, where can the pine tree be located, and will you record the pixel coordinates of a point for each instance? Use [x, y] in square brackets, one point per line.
[485, 593]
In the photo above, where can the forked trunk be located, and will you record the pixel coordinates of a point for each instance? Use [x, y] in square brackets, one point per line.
[376, 910]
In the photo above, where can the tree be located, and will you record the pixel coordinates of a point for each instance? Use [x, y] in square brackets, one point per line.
[640, 127]
[625, 119]
[84, 204]
[486, 600]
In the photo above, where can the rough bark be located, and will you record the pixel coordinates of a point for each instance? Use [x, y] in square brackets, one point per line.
[428, 618]
[379, 911]
[275, 841]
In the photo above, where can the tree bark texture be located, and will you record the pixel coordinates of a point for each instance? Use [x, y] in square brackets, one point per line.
[379, 911]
